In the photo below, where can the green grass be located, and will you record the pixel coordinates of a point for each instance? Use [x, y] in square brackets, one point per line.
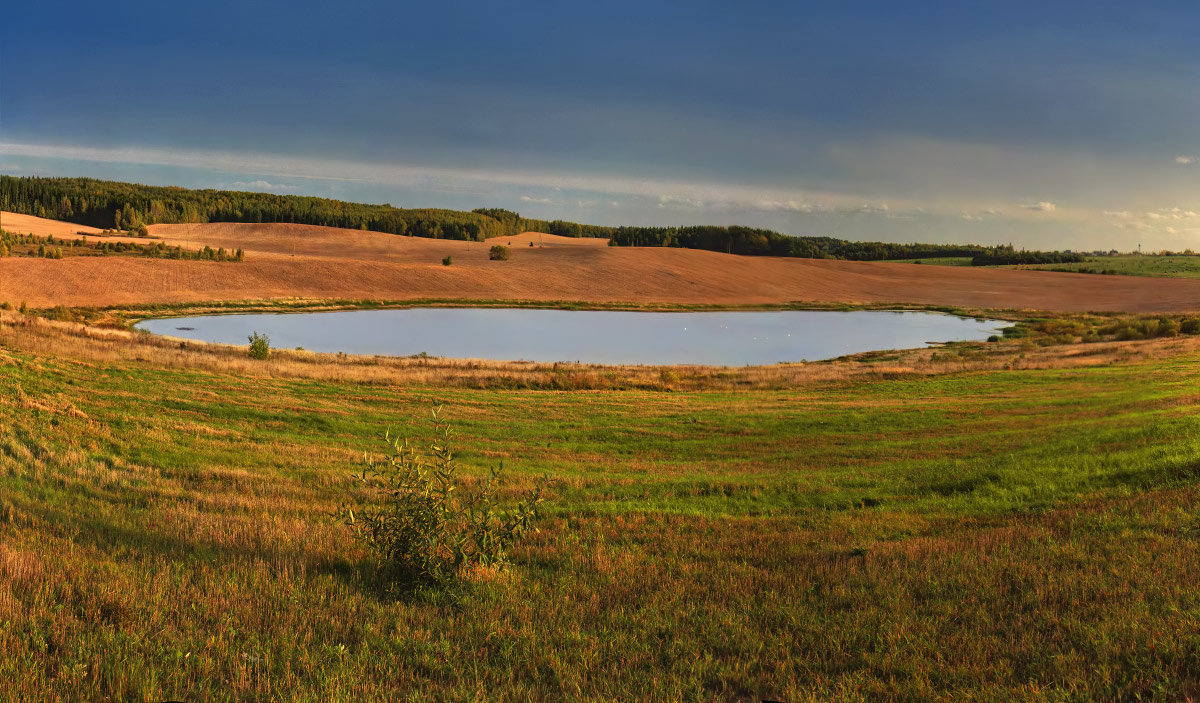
[937, 261]
[1180, 266]
[1176, 266]
[1018, 535]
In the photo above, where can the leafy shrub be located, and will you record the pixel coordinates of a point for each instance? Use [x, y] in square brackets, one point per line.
[1167, 327]
[1129, 332]
[498, 252]
[1126, 330]
[260, 346]
[1190, 325]
[446, 261]
[6, 305]
[62, 314]
[24, 308]
[428, 528]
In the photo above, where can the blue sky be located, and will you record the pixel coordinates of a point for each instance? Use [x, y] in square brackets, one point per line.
[1050, 125]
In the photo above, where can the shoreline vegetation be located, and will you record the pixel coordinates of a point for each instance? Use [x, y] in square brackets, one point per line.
[128, 315]
[1031, 342]
[1035, 327]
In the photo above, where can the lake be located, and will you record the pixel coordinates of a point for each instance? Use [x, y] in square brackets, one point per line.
[602, 337]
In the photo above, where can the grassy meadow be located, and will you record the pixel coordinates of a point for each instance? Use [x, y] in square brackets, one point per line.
[1151, 265]
[1155, 266]
[973, 534]
[936, 261]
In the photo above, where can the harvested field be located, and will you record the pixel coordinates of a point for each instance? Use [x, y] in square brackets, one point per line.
[338, 263]
[28, 224]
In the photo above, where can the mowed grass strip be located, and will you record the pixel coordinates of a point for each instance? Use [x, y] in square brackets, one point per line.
[1013, 535]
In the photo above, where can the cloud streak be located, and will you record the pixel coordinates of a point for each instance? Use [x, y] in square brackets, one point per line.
[849, 214]
[668, 193]
[263, 185]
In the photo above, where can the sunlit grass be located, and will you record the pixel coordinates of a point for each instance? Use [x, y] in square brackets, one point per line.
[982, 535]
[1180, 266]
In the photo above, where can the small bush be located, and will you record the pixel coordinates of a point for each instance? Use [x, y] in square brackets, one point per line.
[499, 252]
[24, 308]
[446, 261]
[260, 346]
[6, 305]
[1190, 325]
[1166, 327]
[62, 313]
[427, 528]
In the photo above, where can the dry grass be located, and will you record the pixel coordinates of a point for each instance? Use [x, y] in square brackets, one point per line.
[42, 227]
[334, 263]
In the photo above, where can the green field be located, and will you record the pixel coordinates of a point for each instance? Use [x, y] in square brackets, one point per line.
[1180, 266]
[1133, 265]
[1008, 535]
[939, 261]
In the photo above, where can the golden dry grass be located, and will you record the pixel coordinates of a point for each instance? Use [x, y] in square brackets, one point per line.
[335, 263]
[42, 227]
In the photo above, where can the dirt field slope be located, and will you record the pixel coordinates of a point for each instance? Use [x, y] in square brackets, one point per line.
[28, 224]
[336, 263]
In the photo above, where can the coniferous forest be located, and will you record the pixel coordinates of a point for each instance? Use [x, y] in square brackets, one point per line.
[128, 206]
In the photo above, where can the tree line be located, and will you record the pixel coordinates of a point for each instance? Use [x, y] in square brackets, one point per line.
[128, 207]
[749, 241]
[51, 247]
[1011, 258]
[131, 207]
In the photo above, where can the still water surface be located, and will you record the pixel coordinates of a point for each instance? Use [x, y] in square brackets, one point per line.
[604, 337]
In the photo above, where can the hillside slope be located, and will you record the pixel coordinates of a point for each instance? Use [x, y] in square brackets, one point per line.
[337, 263]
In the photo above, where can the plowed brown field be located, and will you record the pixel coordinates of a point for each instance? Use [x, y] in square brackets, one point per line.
[337, 263]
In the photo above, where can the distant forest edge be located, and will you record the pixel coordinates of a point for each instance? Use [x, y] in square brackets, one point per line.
[128, 206]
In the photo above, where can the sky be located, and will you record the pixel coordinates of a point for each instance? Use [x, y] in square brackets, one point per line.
[1043, 124]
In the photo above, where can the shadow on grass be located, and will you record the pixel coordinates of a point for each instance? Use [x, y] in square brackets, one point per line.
[128, 542]
[1154, 476]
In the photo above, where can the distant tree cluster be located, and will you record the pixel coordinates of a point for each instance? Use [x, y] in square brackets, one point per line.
[50, 247]
[1007, 256]
[749, 241]
[513, 223]
[131, 207]
[127, 206]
